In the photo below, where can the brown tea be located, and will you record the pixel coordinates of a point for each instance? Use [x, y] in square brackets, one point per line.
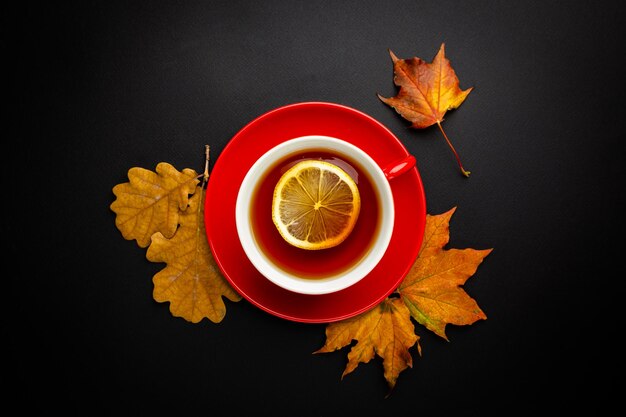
[315, 264]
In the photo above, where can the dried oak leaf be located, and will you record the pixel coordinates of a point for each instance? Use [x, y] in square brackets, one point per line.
[191, 281]
[385, 330]
[427, 92]
[151, 202]
[431, 290]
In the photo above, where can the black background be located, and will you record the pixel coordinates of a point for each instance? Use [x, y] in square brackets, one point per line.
[103, 87]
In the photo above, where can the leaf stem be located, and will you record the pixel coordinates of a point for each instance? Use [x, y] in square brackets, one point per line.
[456, 155]
[205, 179]
[207, 153]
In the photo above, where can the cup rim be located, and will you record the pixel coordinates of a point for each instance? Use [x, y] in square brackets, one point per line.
[290, 281]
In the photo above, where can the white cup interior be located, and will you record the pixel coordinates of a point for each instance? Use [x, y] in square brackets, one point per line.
[275, 273]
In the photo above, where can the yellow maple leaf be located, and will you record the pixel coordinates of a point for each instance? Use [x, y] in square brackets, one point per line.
[191, 281]
[151, 202]
[385, 330]
[431, 290]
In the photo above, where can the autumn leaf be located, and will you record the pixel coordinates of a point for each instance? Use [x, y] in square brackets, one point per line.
[431, 290]
[191, 281]
[155, 209]
[385, 330]
[151, 202]
[427, 92]
[431, 294]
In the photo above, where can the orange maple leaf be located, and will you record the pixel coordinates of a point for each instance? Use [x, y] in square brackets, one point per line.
[191, 281]
[385, 330]
[431, 293]
[427, 92]
[431, 290]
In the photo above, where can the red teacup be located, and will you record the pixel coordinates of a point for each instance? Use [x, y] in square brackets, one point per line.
[327, 270]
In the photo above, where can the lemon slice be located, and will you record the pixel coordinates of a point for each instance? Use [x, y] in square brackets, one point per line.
[316, 205]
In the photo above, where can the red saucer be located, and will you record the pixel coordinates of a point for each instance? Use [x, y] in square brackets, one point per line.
[267, 131]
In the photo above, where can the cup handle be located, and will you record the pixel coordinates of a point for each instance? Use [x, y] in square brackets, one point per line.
[398, 168]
